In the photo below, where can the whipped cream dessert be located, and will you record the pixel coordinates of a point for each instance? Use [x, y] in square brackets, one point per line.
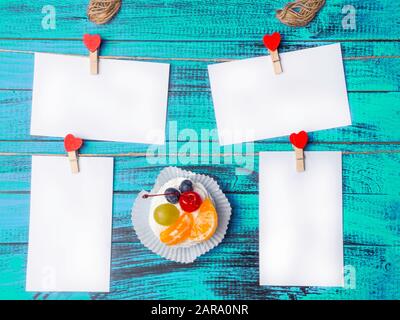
[182, 213]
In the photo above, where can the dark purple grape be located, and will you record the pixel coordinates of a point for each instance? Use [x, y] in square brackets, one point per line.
[172, 195]
[186, 186]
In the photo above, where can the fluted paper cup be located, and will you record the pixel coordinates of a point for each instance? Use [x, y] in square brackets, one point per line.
[182, 254]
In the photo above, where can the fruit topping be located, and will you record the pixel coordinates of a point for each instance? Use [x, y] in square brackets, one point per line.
[166, 214]
[186, 185]
[190, 201]
[205, 223]
[172, 195]
[179, 231]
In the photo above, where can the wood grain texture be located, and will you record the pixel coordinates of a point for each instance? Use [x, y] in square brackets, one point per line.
[375, 117]
[190, 35]
[369, 66]
[368, 219]
[370, 203]
[138, 274]
[199, 20]
[362, 174]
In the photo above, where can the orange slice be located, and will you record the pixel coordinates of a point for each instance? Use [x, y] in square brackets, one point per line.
[206, 222]
[179, 231]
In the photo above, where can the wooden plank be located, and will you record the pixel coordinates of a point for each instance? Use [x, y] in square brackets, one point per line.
[198, 20]
[369, 66]
[238, 156]
[138, 274]
[374, 115]
[362, 174]
[368, 219]
[202, 51]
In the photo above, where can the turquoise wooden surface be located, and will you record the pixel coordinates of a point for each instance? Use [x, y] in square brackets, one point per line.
[190, 35]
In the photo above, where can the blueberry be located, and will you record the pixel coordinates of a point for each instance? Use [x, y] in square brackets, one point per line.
[172, 195]
[186, 186]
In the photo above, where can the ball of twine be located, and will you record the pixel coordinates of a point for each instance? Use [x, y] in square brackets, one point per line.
[102, 11]
[299, 13]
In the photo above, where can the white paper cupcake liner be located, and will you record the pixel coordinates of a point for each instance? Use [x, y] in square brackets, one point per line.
[141, 211]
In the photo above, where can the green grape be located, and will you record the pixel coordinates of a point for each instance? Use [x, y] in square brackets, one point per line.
[166, 214]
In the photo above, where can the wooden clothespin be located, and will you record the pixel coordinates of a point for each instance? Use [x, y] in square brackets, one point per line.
[92, 42]
[72, 145]
[272, 43]
[299, 141]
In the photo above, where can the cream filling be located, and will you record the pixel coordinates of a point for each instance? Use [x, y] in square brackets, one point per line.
[156, 201]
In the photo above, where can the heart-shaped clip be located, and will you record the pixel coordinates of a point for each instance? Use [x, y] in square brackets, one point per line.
[92, 42]
[299, 141]
[271, 42]
[72, 145]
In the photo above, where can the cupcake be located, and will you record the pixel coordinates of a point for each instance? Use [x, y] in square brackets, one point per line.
[184, 216]
[182, 213]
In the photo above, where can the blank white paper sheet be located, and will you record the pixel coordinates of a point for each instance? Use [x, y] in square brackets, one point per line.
[300, 215]
[70, 225]
[252, 103]
[125, 102]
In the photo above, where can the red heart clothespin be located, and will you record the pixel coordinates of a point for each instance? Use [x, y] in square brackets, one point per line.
[299, 141]
[72, 145]
[92, 42]
[272, 42]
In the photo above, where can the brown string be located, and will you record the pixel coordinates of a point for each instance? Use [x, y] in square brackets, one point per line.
[300, 12]
[102, 11]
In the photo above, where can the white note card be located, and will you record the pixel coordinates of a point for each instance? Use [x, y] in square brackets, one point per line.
[126, 101]
[300, 215]
[252, 103]
[70, 225]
